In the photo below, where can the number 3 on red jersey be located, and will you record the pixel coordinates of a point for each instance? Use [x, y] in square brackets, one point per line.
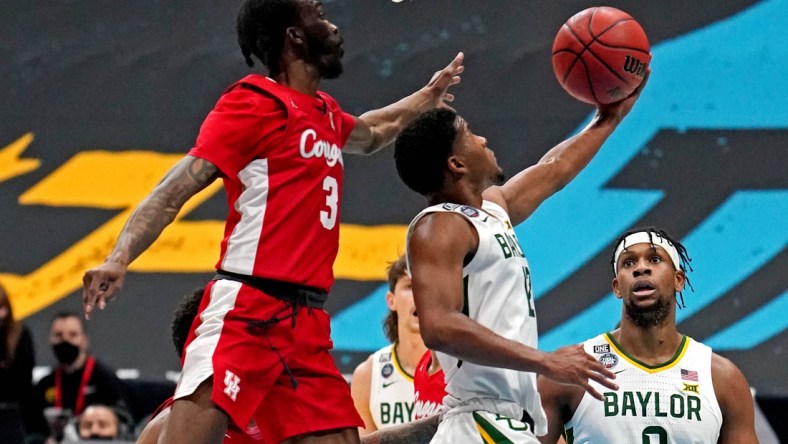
[329, 218]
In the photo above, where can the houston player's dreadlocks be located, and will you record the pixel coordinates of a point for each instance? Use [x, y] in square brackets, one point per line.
[261, 26]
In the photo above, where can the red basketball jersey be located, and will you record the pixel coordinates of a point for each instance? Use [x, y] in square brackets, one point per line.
[429, 389]
[279, 153]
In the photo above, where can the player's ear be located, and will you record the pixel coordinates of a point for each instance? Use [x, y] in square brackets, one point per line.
[455, 164]
[390, 300]
[616, 289]
[679, 280]
[295, 34]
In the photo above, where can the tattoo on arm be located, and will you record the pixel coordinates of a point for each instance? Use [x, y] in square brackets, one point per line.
[420, 431]
[161, 206]
[201, 171]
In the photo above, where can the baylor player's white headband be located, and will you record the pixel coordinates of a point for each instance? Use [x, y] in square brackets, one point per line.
[646, 237]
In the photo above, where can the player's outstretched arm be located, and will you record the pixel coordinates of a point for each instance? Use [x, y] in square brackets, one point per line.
[152, 215]
[736, 403]
[439, 245]
[524, 192]
[378, 128]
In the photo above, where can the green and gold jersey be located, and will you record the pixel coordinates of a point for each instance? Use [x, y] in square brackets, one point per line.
[391, 394]
[497, 295]
[672, 403]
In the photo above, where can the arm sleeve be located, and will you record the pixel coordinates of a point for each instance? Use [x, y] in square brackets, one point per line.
[239, 128]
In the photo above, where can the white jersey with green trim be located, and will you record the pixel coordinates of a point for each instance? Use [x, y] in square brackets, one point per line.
[391, 394]
[497, 292]
[672, 403]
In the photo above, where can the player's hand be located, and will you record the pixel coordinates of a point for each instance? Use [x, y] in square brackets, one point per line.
[572, 365]
[99, 285]
[445, 78]
[619, 110]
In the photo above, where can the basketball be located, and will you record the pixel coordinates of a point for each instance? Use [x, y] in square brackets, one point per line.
[600, 55]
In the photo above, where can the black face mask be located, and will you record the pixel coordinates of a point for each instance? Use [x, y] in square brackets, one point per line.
[99, 438]
[65, 352]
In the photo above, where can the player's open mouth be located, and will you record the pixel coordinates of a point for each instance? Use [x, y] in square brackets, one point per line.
[643, 288]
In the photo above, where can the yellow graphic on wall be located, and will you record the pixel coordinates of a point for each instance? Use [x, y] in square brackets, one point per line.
[119, 181]
[11, 165]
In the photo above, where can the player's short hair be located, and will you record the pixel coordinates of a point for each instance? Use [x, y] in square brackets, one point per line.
[65, 315]
[260, 26]
[183, 317]
[684, 258]
[422, 148]
[396, 270]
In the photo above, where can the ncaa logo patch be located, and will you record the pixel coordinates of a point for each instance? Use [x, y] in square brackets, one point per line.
[387, 370]
[469, 211]
[604, 348]
[609, 360]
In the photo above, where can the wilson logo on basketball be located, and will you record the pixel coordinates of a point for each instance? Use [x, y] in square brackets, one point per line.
[634, 66]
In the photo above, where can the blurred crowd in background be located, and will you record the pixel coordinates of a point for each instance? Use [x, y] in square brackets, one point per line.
[81, 398]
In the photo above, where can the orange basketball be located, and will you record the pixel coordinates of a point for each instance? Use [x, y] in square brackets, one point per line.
[600, 55]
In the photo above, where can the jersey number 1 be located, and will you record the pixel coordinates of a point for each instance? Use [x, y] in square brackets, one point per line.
[527, 276]
[329, 218]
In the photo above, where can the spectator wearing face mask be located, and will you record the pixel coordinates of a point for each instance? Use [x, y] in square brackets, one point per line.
[79, 380]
